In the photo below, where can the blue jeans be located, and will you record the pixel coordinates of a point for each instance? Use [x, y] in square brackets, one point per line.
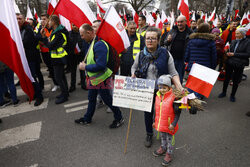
[180, 68]
[7, 80]
[104, 92]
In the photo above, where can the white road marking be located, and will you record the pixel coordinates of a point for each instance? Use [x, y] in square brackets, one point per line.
[22, 108]
[20, 135]
[76, 109]
[76, 103]
[45, 78]
[20, 92]
[35, 165]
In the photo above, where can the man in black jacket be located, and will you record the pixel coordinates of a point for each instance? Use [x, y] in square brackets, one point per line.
[29, 43]
[176, 42]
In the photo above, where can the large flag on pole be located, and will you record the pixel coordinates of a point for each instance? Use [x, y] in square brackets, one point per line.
[135, 17]
[183, 7]
[52, 5]
[117, 36]
[201, 79]
[76, 11]
[36, 16]
[16, 7]
[11, 46]
[212, 17]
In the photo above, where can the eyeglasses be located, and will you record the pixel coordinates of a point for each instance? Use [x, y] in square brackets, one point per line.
[151, 39]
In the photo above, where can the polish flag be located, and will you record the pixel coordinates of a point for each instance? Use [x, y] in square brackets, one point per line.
[98, 15]
[117, 36]
[16, 7]
[212, 16]
[236, 13]
[227, 46]
[100, 5]
[158, 23]
[125, 17]
[164, 18]
[244, 19]
[172, 19]
[52, 6]
[193, 17]
[29, 14]
[135, 17]
[36, 16]
[65, 22]
[77, 49]
[11, 46]
[201, 79]
[77, 12]
[150, 20]
[215, 21]
[183, 7]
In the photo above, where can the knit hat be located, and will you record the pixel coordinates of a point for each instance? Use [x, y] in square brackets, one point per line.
[165, 80]
[216, 30]
[242, 30]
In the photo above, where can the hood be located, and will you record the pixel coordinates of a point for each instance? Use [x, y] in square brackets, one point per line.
[206, 36]
[59, 28]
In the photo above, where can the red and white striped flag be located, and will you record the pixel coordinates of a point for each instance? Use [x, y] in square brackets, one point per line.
[65, 22]
[117, 36]
[164, 18]
[77, 12]
[77, 49]
[244, 19]
[158, 22]
[212, 16]
[193, 17]
[183, 7]
[16, 7]
[11, 46]
[135, 17]
[227, 46]
[236, 13]
[100, 5]
[36, 16]
[29, 14]
[201, 79]
[52, 5]
[98, 15]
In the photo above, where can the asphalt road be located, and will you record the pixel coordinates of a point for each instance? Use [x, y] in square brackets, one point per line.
[216, 137]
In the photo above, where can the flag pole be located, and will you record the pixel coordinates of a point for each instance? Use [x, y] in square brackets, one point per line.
[129, 122]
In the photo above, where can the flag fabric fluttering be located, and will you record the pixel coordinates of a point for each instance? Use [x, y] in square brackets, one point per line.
[184, 8]
[117, 36]
[98, 14]
[227, 46]
[158, 22]
[212, 16]
[29, 14]
[77, 12]
[16, 7]
[164, 18]
[244, 19]
[201, 79]
[52, 5]
[36, 16]
[11, 46]
[135, 17]
[100, 5]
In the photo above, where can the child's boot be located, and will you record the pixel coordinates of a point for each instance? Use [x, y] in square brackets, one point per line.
[159, 152]
[167, 159]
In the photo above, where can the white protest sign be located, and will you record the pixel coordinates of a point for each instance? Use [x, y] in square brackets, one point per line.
[133, 93]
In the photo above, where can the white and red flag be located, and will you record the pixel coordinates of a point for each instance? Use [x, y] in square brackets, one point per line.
[117, 36]
[236, 13]
[135, 17]
[52, 6]
[150, 19]
[183, 7]
[29, 14]
[125, 17]
[98, 14]
[36, 16]
[227, 46]
[212, 16]
[77, 12]
[65, 22]
[244, 19]
[100, 5]
[201, 79]
[164, 18]
[193, 17]
[158, 22]
[77, 49]
[11, 46]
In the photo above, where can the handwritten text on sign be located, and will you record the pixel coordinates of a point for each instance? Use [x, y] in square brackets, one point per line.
[133, 93]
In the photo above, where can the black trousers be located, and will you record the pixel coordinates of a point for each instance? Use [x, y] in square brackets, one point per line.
[61, 79]
[73, 60]
[236, 74]
[47, 60]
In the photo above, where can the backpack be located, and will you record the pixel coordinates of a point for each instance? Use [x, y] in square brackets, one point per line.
[114, 60]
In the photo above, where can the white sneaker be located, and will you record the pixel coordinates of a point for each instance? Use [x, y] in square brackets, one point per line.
[55, 88]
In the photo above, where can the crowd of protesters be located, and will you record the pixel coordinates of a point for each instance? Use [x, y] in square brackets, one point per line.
[153, 53]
